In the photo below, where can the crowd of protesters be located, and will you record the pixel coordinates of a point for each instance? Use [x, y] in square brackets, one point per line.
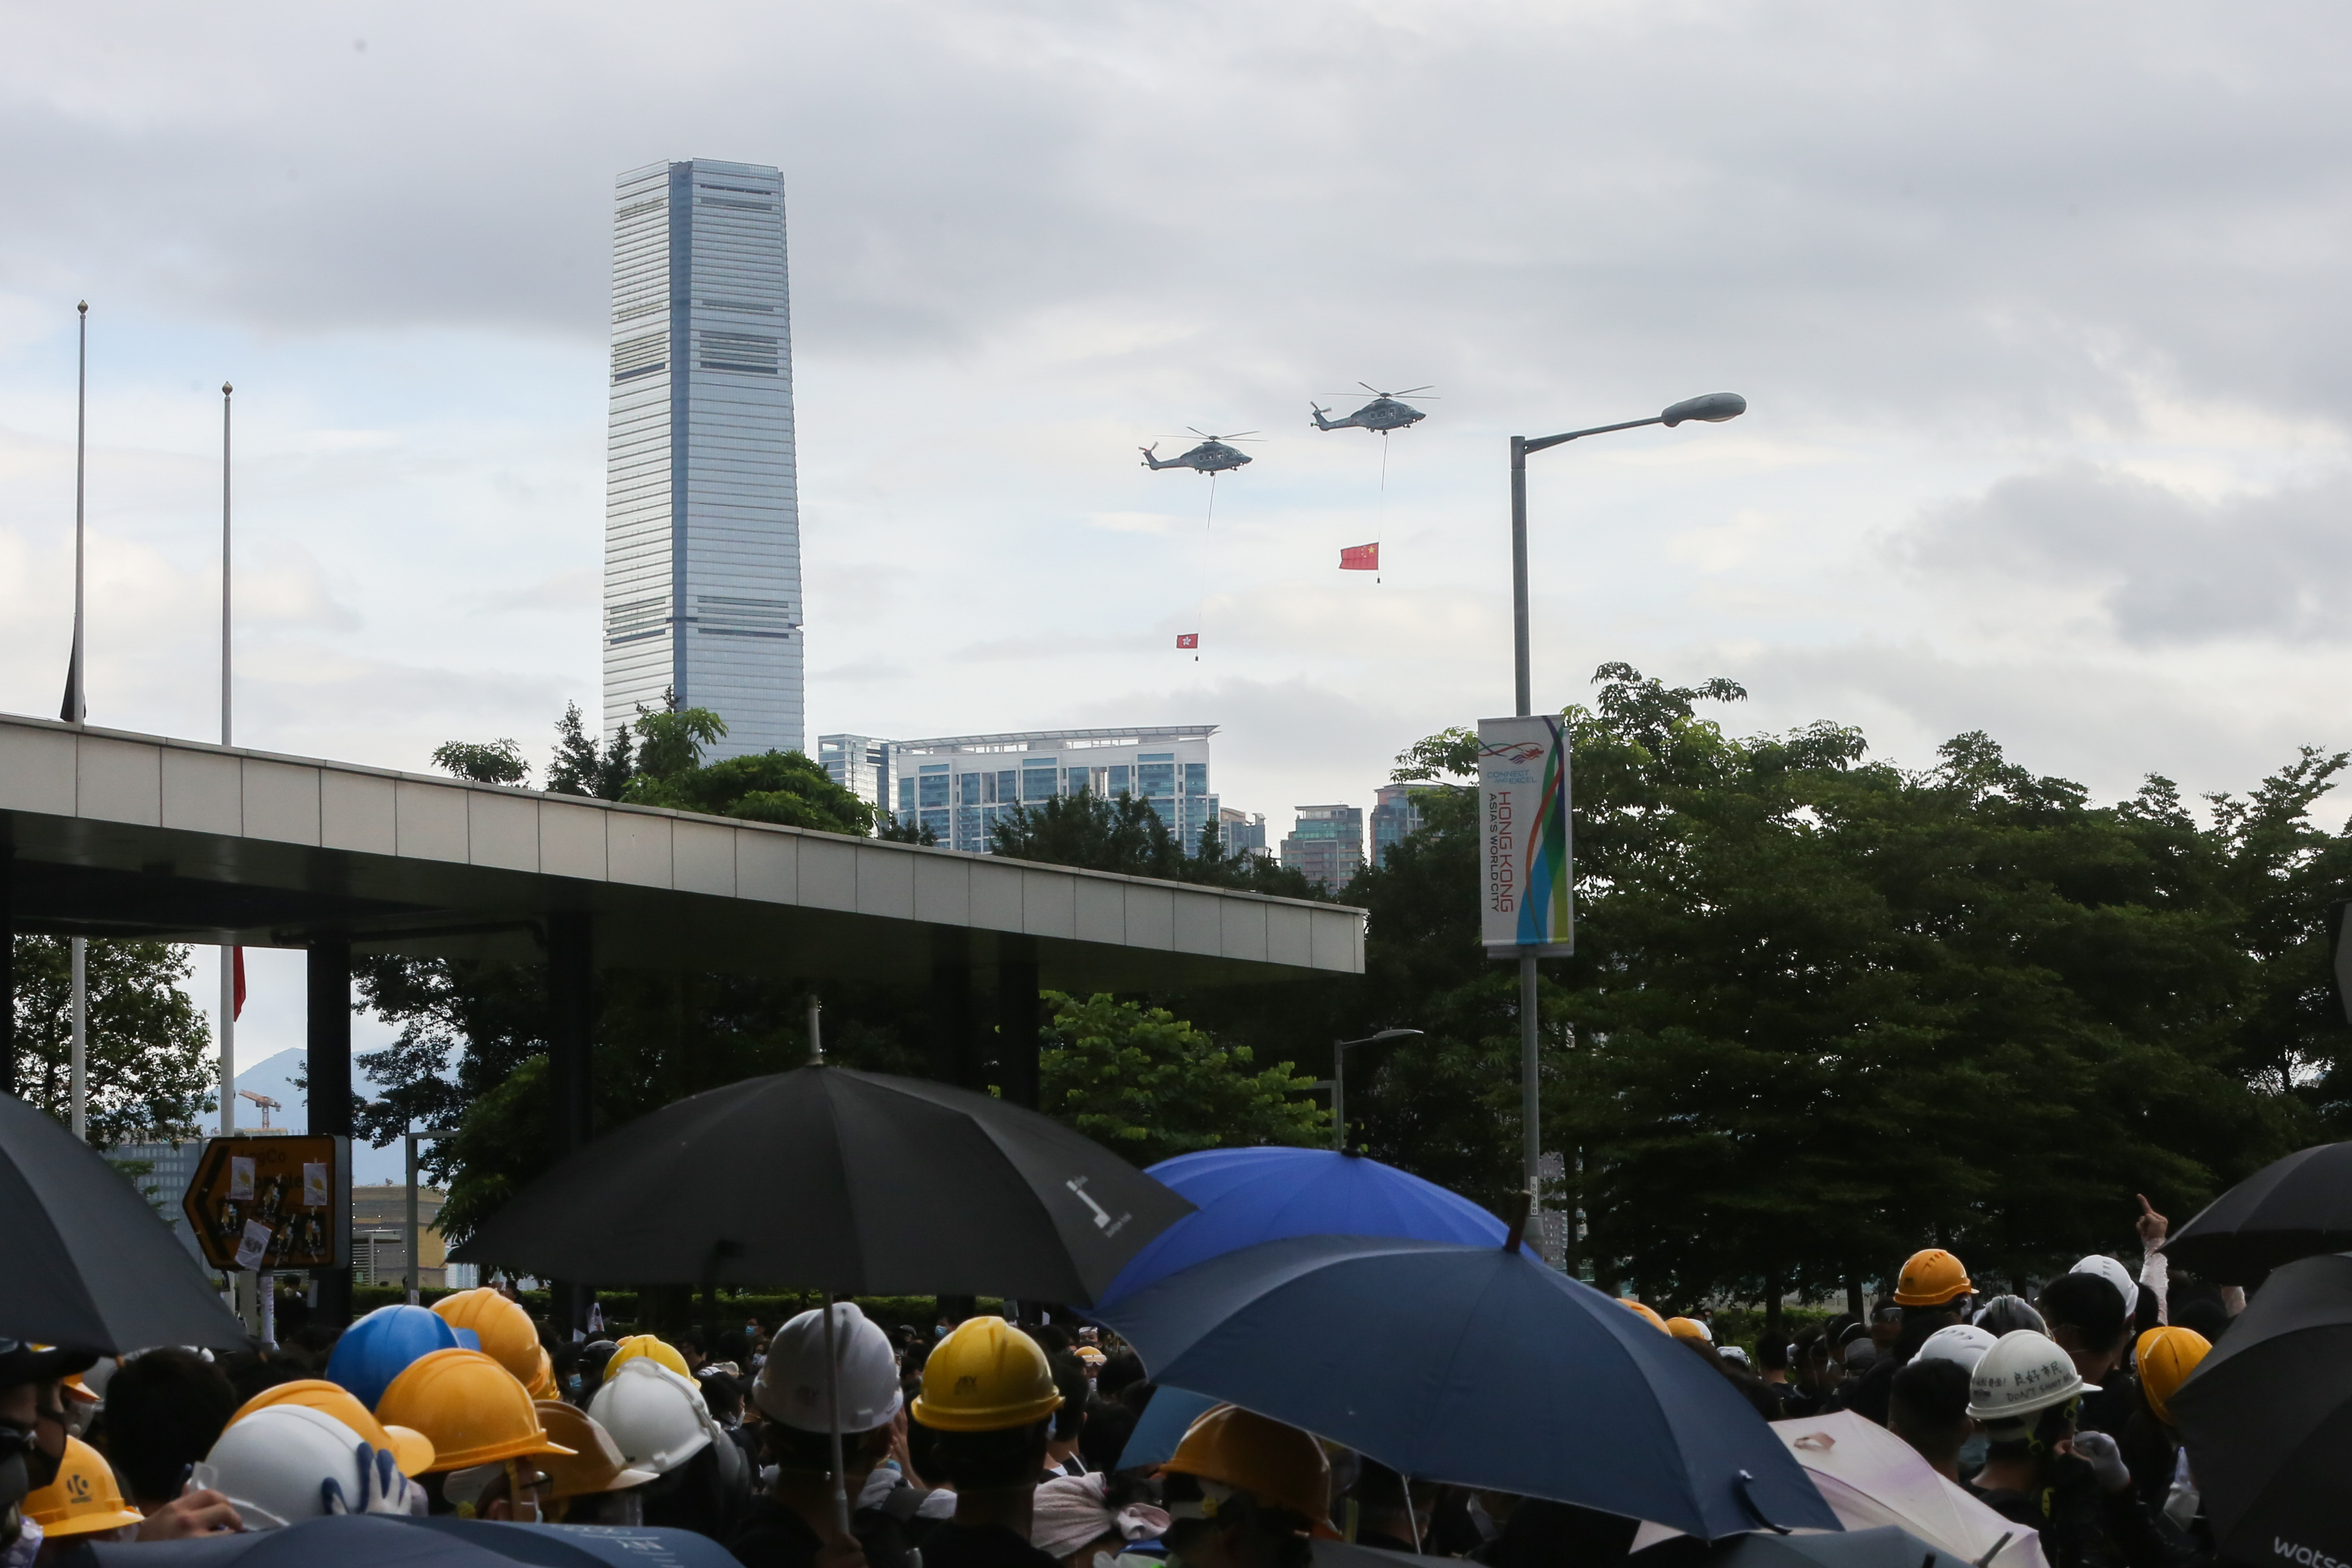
[987, 1443]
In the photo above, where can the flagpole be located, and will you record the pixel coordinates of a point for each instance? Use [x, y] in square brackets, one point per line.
[78, 711]
[227, 952]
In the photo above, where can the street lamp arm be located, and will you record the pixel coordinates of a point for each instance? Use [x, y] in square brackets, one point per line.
[1540, 442]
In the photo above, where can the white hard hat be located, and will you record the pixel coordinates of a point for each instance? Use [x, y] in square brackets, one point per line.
[2115, 1274]
[791, 1386]
[655, 1418]
[1963, 1343]
[271, 1464]
[2022, 1372]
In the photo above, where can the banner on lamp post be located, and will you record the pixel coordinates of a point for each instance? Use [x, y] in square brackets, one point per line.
[1523, 810]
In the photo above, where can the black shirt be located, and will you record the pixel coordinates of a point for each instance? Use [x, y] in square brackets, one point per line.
[776, 1536]
[953, 1545]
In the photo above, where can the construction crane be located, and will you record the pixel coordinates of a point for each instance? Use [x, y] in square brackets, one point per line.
[264, 1101]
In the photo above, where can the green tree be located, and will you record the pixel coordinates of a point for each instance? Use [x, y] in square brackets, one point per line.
[148, 1058]
[1124, 833]
[1149, 1085]
[773, 787]
[500, 762]
[580, 767]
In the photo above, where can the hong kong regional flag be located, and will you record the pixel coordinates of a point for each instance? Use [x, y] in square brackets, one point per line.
[1188, 639]
[1360, 558]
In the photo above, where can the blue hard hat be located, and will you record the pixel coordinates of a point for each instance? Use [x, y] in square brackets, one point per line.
[381, 1345]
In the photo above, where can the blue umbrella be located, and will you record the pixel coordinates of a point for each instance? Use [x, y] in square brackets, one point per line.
[1162, 1426]
[1247, 1196]
[1477, 1366]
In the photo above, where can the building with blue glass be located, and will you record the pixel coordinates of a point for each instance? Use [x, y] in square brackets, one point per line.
[702, 548]
[959, 785]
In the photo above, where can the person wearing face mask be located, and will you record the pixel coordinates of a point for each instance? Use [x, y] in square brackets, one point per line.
[1244, 1491]
[795, 1524]
[32, 1437]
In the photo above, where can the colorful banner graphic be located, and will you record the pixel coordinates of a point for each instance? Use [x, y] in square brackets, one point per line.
[1523, 799]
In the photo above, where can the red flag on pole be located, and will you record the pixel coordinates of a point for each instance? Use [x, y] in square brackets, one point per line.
[237, 1008]
[1360, 558]
[1188, 639]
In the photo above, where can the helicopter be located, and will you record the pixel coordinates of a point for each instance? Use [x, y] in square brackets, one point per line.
[1384, 413]
[1211, 456]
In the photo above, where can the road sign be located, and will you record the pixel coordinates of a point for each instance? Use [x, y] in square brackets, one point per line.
[271, 1203]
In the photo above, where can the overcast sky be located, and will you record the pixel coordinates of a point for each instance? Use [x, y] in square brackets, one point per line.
[2040, 312]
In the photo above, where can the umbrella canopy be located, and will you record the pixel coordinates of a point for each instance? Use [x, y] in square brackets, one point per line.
[1253, 1195]
[89, 1263]
[2267, 1416]
[1870, 1476]
[389, 1540]
[857, 1183]
[1472, 1365]
[1162, 1426]
[1885, 1547]
[2290, 1208]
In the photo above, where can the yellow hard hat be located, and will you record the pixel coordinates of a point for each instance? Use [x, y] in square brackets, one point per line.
[412, 1450]
[2167, 1357]
[595, 1463]
[1929, 1279]
[985, 1377]
[637, 1344]
[1279, 1465]
[83, 1498]
[506, 1330]
[470, 1407]
[1657, 1322]
[1690, 1328]
[541, 1381]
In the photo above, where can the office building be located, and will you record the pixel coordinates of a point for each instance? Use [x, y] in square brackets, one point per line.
[1240, 832]
[380, 1236]
[960, 785]
[1327, 844]
[702, 550]
[859, 764]
[1396, 816]
[169, 1169]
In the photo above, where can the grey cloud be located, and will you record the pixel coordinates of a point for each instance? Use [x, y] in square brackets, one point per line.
[2165, 567]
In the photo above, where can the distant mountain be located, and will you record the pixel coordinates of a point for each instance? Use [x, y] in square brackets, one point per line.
[274, 1077]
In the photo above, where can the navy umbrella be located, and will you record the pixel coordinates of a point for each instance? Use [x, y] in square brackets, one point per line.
[1473, 1365]
[1263, 1194]
[387, 1540]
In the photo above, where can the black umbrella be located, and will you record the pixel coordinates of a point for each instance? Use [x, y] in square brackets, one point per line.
[2268, 1419]
[387, 1540]
[857, 1183]
[2290, 1208]
[89, 1263]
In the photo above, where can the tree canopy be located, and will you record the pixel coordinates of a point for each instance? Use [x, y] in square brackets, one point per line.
[1124, 833]
[1145, 1083]
[1825, 1011]
[148, 1057]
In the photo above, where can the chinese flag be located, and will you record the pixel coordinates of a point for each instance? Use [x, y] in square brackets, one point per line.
[237, 1008]
[1360, 558]
[1188, 639]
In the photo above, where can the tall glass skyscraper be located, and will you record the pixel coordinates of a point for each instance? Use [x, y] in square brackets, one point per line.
[702, 538]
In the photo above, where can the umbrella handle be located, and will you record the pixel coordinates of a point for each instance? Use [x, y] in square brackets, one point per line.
[1747, 1496]
[832, 1412]
[1985, 1561]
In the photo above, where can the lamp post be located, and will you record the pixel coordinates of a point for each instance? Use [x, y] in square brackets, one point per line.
[1713, 408]
[1339, 1078]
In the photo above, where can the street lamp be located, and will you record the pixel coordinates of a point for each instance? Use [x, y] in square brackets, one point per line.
[1713, 408]
[1339, 1078]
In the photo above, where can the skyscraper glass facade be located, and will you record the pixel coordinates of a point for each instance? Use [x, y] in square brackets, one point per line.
[961, 786]
[702, 550]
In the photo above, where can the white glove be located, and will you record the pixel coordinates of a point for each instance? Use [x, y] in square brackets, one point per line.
[382, 1488]
[2106, 1460]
